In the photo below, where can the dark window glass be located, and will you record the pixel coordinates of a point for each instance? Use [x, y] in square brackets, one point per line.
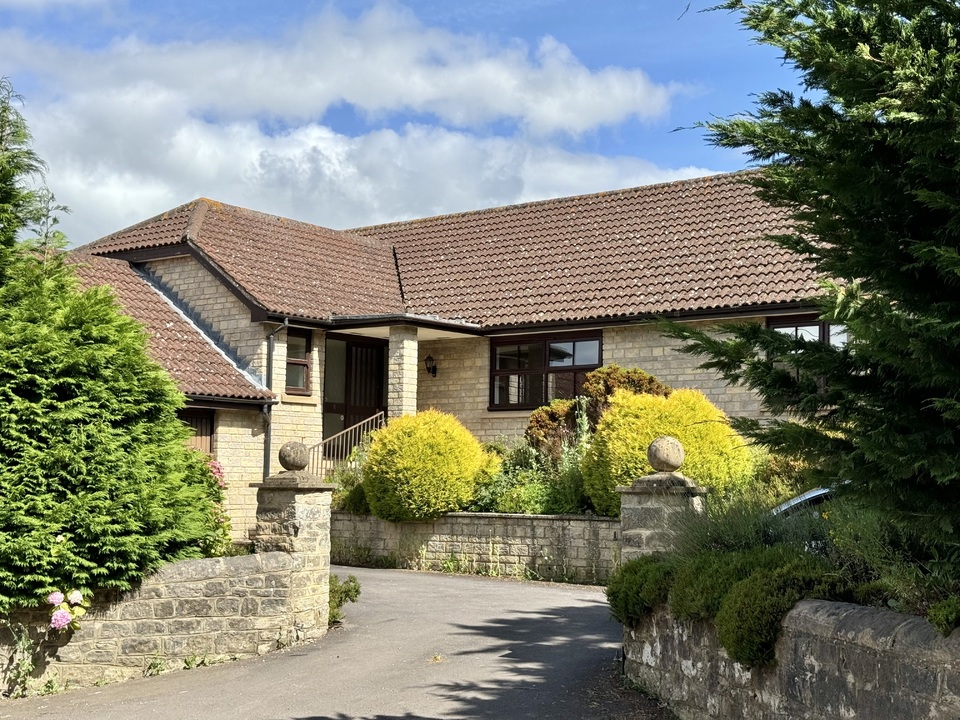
[298, 361]
[527, 373]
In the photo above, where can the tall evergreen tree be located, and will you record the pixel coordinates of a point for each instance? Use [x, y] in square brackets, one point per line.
[97, 485]
[18, 163]
[867, 161]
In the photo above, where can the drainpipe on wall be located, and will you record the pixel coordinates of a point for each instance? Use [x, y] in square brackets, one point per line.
[268, 409]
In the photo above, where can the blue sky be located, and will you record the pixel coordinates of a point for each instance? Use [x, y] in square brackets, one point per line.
[353, 112]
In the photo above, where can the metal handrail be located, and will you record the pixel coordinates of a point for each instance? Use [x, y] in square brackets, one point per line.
[338, 450]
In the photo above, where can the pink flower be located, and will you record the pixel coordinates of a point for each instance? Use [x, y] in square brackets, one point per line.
[60, 619]
[216, 469]
[75, 597]
[55, 598]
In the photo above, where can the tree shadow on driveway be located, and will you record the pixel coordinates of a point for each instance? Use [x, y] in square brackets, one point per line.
[559, 663]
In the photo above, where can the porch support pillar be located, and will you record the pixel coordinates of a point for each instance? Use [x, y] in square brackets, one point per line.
[403, 365]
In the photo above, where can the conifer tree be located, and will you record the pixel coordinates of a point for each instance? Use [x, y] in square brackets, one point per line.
[97, 486]
[18, 163]
[867, 161]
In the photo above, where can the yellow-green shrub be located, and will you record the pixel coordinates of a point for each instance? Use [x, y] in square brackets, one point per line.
[421, 466]
[715, 455]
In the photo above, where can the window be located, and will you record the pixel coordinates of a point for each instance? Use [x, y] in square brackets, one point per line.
[298, 361]
[808, 327]
[530, 371]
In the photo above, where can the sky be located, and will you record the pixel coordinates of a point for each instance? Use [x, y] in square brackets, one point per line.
[346, 113]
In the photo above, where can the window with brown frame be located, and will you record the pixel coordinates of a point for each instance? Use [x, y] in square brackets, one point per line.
[810, 327]
[528, 371]
[299, 345]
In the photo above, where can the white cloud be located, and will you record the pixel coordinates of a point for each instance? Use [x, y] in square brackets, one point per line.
[136, 128]
[384, 62]
[316, 175]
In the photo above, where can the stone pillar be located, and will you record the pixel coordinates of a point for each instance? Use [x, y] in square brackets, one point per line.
[649, 508]
[293, 516]
[402, 366]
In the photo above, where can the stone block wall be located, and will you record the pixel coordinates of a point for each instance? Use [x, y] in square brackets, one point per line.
[403, 365]
[238, 445]
[834, 660]
[215, 306]
[644, 347]
[462, 385]
[216, 608]
[462, 388]
[572, 548]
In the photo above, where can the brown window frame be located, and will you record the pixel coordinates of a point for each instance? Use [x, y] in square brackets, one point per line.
[787, 321]
[305, 362]
[544, 370]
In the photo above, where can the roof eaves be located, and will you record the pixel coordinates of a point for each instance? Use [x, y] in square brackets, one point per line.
[342, 322]
[715, 313]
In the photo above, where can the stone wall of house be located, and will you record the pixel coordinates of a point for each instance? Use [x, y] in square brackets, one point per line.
[644, 347]
[215, 306]
[297, 418]
[834, 660]
[573, 548]
[462, 388]
[238, 445]
[213, 609]
[462, 385]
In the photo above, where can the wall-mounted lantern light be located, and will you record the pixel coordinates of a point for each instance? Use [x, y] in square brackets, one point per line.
[431, 365]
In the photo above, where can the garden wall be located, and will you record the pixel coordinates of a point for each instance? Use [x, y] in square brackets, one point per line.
[572, 548]
[210, 609]
[834, 660]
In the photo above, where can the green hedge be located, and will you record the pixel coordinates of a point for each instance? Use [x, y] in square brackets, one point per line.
[715, 455]
[421, 466]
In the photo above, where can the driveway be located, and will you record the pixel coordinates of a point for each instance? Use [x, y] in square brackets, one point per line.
[416, 645]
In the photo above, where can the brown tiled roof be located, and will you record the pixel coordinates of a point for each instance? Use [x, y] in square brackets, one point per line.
[198, 368]
[289, 267]
[680, 247]
[683, 246]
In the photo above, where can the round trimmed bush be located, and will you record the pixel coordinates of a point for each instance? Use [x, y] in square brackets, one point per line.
[716, 456]
[637, 587]
[751, 614]
[599, 386]
[421, 466]
[703, 581]
[550, 426]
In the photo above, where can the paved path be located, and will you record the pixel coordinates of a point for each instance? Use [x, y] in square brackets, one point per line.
[416, 645]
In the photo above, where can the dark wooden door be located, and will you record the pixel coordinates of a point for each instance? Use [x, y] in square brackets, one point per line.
[354, 381]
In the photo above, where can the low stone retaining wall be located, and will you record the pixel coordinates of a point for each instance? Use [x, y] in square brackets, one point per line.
[571, 548]
[194, 611]
[834, 660]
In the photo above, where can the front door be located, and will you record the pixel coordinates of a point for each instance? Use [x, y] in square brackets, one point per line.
[354, 381]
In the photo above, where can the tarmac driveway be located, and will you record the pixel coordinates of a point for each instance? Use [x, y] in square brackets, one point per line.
[416, 645]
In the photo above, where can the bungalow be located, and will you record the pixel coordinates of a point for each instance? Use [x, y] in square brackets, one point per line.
[280, 330]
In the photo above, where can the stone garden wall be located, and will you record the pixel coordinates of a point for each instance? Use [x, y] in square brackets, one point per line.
[834, 660]
[192, 611]
[198, 611]
[573, 548]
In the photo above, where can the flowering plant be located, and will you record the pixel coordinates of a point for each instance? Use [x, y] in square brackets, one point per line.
[216, 469]
[67, 610]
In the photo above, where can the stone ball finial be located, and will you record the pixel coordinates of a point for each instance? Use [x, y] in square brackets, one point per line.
[294, 456]
[665, 454]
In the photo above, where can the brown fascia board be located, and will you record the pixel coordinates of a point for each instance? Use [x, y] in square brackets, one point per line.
[216, 402]
[352, 322]
[719, 314]
[187, 248]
